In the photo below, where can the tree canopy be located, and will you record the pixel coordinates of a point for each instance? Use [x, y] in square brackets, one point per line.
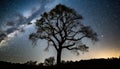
[62, 28]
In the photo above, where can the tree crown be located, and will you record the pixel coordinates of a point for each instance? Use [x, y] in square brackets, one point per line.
[62, 28]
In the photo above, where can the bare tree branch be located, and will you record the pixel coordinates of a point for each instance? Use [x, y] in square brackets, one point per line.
[75, 39]
[68, 45]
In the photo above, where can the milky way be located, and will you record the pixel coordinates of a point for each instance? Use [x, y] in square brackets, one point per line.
[17, 19]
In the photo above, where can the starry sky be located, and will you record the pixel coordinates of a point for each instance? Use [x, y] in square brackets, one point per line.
[15, 16]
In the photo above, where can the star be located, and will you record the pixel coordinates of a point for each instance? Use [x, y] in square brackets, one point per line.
[102, 36]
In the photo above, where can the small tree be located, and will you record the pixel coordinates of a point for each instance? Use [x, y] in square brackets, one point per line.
[49, 61]
[31, 63]
[62, 28]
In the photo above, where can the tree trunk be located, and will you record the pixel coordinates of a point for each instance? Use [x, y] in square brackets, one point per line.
[59, 56]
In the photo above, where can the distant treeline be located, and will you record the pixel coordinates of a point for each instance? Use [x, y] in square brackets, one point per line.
[111, 63]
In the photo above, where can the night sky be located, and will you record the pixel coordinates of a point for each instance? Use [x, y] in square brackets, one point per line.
[102, 15]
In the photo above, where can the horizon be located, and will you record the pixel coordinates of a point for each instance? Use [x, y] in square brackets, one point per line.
[67, 60]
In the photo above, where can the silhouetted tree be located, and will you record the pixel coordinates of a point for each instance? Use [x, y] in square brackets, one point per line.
[31, 63]
[62, 28]
[49, 61]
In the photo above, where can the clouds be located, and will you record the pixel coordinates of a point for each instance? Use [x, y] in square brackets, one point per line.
[11, 25]
[17, 21]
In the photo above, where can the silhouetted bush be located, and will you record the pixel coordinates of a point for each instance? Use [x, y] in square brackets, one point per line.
[31, 63]
[49, 61]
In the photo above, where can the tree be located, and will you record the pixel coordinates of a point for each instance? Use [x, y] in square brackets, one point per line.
[31, 62]
[49, 61]
[62, 28]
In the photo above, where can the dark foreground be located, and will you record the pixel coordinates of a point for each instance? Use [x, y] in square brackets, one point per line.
[113, 63]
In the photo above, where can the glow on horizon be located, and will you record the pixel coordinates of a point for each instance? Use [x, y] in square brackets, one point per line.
[107, 55]
[92, 55]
